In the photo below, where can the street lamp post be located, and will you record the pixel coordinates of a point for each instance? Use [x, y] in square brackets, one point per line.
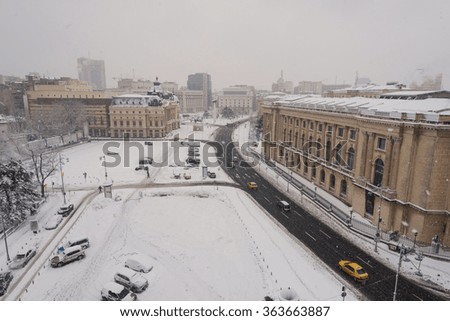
[104, 164]
[402, 252]
[62, 179]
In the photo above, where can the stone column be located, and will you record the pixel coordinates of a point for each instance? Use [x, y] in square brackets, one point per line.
[369, 156]
[387, 162]
[394, 163]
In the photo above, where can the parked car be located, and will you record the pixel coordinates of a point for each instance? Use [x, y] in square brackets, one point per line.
[192, 160]
[139, 263]
[354, 270]
[146, 161]
[68, 255]
[130, 279]
[116, 292]
[211, 175]
[22, 258]
[65, 210]
[5, 280]
[187, 176]
[148, 143]
[53, 222]
[252, 185]
[81, 241]
[285, 206]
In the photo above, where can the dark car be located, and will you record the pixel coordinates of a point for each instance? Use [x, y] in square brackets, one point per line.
[212, 175]
[141, 167]
[146, 161]
[191, 160]
[148, 143]
[65, 210]
[5, 280]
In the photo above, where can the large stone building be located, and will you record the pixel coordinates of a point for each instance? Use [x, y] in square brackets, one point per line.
[53, 102]
[144, 116]
[240, 98]
[191, 101]
[386, 154]
[93, 72]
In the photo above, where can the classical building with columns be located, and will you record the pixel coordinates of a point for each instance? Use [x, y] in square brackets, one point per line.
[152, 115]
[386, 158]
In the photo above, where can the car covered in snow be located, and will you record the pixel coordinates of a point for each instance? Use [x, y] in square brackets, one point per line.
[130, 279]
[53, 222]
[5, 280]
[116, 292]
[22, 258]
[139, 263]
[65, 210]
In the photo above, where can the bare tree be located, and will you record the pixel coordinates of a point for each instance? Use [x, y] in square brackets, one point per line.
[42, 161]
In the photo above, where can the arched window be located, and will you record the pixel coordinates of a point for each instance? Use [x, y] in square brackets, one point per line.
[332, 181]
[322, 176]
[350, 158]
[313, 170]
[290, 136]
[328, 151]
[310, 144]
[378, 172]
[318, 147]
[339, 154]
[303, 143]
[296, 140]
[343, 187]
[284, 135]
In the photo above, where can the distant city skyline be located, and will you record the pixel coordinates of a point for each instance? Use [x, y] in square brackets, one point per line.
[328, 41]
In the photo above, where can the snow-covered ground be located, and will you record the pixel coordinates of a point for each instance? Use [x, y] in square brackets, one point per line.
[207, 242]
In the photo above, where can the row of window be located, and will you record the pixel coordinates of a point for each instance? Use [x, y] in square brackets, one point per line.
[152, 123]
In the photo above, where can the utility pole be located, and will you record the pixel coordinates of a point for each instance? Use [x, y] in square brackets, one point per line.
[62, 180]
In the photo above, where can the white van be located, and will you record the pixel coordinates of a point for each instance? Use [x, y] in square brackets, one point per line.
[68, 255]
[285, 206]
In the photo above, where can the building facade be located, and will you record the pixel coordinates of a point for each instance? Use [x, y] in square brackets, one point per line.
[93, 72]
[52, 102]
[191, 101]
[201, 81]
[240, 99]
[144, 116]
[387, 159]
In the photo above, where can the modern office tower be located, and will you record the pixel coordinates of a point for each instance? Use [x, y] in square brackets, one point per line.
[92, 71]
[201, 81]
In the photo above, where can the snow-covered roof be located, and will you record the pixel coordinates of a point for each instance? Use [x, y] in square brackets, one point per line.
[431, 109]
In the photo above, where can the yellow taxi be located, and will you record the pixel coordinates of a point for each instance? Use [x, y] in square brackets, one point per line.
[354, 270]
[252, 185]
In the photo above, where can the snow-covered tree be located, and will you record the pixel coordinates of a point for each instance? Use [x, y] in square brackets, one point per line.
[17, 192]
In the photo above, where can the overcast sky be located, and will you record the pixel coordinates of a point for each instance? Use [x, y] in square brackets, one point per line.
[235, 41]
